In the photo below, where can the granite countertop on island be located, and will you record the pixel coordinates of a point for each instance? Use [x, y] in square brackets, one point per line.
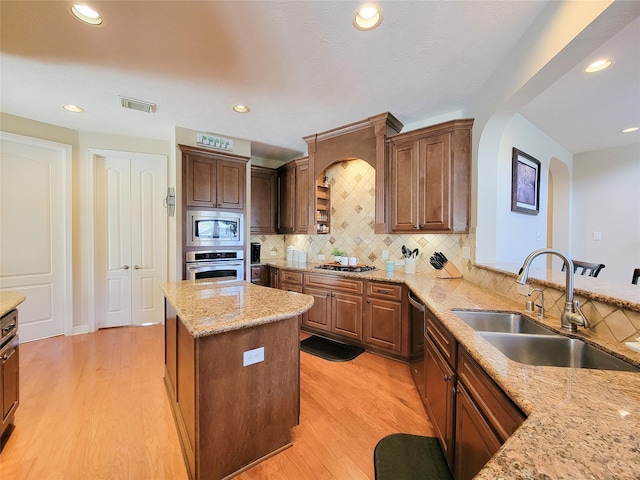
[581, 423]
[9, 301]
[208, 308]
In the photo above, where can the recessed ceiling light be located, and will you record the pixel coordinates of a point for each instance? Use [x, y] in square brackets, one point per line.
[630, 129]
[367, 17]
[241, 108]
[86, 14]
[73, 108]
[598, 65]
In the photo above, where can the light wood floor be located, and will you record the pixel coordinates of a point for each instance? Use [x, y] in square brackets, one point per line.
[94, 407]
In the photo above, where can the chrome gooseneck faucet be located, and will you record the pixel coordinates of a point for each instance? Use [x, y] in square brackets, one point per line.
[572, 314]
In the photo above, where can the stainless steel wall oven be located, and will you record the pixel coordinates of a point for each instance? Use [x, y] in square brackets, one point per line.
[218, 265]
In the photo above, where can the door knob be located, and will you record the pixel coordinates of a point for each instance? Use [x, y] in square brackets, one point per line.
[137, 267]
[126, 267]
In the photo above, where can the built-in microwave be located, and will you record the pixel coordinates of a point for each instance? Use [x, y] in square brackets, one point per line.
[214, 229]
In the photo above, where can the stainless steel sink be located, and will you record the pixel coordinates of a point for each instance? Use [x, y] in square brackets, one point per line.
[486, 321]
[555, 351]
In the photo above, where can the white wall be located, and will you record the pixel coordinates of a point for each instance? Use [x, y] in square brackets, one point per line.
[606, 199]
[518, 234]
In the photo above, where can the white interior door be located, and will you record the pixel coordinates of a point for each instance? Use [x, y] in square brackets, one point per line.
[130, 238]
[35, 232]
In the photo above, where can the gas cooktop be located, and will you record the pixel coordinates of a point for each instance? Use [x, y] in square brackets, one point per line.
[347, 268]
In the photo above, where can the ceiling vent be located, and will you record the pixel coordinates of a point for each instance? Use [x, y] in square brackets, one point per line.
[139, 105]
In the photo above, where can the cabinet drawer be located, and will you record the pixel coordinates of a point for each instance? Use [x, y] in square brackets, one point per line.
[256, 273]
[442, 338]
[503, 415]
[291, 277]
[334, 282]
[384, 290]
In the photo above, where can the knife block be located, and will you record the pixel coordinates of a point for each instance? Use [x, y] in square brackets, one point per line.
[449, 271]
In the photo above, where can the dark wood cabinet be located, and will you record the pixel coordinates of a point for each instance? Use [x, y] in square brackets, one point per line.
[471, 414]
[430, 178]
[264, 200]
[383, 316]
[291, 281]
[475, 441]
[274, 276]
[213, 180]
[485, 418]
[293, 197]
[260, 275]
[9, 372]
[440, 378]
[338, 305]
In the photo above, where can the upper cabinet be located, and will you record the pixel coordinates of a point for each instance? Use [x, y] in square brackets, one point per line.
[212, 179]
[430, 179]
[264, 200]
[293, 199]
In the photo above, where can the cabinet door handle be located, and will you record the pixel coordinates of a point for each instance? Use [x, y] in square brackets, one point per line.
[446, 378]
[125, 267]
[421, 226]
[137, 267]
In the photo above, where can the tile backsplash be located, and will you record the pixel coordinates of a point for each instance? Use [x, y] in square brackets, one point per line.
[352, 218]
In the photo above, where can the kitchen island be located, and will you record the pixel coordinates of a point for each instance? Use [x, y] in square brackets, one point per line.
[232, 372]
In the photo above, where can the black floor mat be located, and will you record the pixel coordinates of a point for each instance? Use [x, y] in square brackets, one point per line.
[329, 349]
[410, 457]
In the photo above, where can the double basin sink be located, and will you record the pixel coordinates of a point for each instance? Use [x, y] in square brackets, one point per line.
[528, 342]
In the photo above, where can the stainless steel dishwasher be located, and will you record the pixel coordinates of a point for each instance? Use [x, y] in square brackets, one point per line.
[417, 312]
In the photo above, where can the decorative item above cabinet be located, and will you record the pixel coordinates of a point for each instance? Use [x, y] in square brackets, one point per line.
[430, 178]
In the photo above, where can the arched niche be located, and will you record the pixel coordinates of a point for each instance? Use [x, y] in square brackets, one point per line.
[365, 140]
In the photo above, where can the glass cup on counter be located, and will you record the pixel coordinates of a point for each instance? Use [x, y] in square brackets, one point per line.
[390, 266]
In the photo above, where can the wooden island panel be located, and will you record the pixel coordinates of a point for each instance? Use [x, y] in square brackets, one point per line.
[231, 416]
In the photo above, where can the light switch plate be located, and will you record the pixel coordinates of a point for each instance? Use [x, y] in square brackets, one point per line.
[466, 252]
[385, 254]
[272, 253]
[321, 256]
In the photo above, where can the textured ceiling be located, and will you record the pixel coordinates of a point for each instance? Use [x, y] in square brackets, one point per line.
[300, 65]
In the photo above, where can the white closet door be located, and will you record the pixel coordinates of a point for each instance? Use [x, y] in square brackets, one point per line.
[130, 238]
[35, 232]
[148, 239]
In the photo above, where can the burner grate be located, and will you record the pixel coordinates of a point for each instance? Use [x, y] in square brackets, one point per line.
[347, 268]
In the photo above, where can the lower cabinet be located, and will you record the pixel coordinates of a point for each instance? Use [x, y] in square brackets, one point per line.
[9, 372]
[471, 414]
[338, 305]
[260, 275]
[383, 317]
[372, 314]
[291, 281]
[440, 397]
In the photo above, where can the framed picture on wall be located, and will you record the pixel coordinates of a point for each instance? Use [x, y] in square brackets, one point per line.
[525, 183]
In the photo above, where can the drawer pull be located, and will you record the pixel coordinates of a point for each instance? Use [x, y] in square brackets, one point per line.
[386, 292]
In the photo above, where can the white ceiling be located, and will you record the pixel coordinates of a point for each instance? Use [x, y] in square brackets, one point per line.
[300, 65]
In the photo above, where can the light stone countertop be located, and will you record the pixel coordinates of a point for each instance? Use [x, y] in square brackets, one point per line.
[209, 308]
[582, 423]
[9, 301]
